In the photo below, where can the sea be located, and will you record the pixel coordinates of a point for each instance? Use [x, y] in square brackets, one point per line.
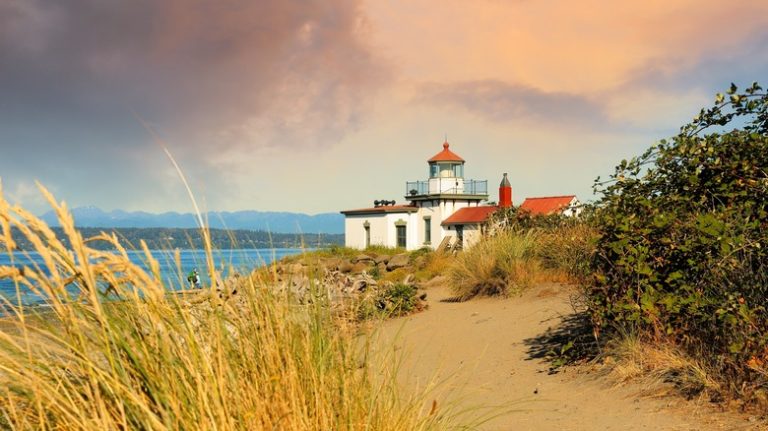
[236, 260]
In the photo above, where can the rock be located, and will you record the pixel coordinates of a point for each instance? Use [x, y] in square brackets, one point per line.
[345, 267]
[332, 263]
[381, 259]
[364, 258]
[408, 280]
[397, 261]
[382, 267]
[359, 267]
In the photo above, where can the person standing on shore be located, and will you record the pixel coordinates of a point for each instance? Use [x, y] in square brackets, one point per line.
[194, 279]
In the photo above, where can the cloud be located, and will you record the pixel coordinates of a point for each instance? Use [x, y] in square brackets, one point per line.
[499, 101]
[221, 81]
[254, 73]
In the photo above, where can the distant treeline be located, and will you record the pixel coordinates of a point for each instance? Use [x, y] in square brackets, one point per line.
[172, 238]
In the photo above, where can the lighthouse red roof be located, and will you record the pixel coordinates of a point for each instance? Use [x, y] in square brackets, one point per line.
[470, 215]
[446, 155]
[547, 205]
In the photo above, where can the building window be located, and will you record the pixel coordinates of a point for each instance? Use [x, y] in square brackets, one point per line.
[367, 228]
[460, 235]
[433, 170]
[458, 171]
[427, 230]
[401, 239]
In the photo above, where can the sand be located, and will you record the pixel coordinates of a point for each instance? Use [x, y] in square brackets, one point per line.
[484, 352]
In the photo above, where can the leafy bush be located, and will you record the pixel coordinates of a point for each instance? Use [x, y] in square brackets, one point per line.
[682, 253]
[397, 300]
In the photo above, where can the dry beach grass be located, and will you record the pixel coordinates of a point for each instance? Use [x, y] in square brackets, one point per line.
[159, 361]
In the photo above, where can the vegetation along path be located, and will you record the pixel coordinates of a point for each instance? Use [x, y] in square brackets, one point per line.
[486, 355]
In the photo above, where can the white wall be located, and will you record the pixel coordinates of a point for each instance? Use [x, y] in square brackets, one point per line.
[446, 185]
[574, 208]
[354, 231]
[439, 213]
[472, 234]
[383, 231]
[382, 228]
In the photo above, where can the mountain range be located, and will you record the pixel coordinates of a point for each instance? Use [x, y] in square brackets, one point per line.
[278, 222]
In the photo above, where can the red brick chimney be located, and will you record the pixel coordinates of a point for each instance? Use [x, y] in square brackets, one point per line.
[505, 193]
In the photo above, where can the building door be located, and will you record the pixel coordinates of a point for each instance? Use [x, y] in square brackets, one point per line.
[401, 239]
[460, 235]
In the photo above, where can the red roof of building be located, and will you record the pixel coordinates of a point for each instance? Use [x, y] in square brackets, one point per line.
[471, 215]
[547, 205]
[384, 209]
[446, 155]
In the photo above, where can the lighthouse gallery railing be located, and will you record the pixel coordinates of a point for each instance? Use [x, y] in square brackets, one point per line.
[469, 187]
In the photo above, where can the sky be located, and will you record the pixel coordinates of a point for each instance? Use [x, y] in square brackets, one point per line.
[323, 105]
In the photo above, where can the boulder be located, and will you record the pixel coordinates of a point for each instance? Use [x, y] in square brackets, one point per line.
[345, 267]
[397, 261]
[381, 259]
[364, 258]
[332, 263]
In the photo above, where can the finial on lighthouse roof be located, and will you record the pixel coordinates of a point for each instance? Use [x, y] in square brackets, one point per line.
[446, 155]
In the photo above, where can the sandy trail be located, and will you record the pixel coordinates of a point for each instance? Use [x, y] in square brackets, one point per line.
[483, 352]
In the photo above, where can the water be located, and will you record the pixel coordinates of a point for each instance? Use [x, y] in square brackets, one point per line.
[241, 260]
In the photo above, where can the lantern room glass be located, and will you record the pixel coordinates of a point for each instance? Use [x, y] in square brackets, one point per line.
[434, 171]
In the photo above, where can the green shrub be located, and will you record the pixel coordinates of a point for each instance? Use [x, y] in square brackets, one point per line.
[398, 300]
[682, 253]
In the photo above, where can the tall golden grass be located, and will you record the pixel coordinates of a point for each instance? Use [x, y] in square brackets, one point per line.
[500, 265]
[515, 259]
[161, 361]
[627, 357]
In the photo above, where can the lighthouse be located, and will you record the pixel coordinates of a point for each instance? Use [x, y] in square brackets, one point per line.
[420, 222]
[443, 211]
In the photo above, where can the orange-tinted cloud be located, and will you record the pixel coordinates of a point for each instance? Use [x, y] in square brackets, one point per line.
[558, 45]
[261, 100]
